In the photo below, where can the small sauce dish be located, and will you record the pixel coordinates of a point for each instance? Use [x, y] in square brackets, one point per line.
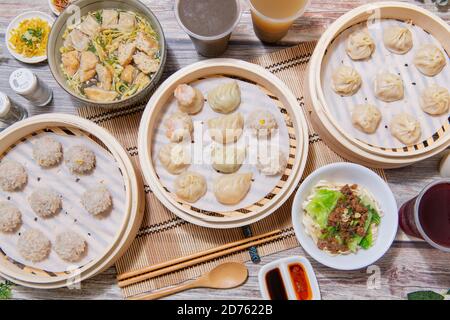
[291, 278]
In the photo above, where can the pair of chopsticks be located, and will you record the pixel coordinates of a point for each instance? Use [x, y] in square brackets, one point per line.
[163, 268]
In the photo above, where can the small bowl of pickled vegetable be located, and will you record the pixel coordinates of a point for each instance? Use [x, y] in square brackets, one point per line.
[110, 55]
[345, 216]
[27, 36]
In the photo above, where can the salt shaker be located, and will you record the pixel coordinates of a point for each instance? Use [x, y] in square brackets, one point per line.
[10, 112]
[25, 83]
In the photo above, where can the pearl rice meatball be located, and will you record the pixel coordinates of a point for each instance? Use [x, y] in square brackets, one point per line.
[33, 245]
[96, 200]
[10, 217]
[47, 151]
[13, 176]
[80, 159]
[70, 246]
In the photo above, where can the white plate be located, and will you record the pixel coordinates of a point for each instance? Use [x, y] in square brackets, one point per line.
[349, 173]
[15, 22]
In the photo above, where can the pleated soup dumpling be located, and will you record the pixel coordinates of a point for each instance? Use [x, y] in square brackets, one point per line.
[13, 175]
[230, 189]
[360, 45]
[346, 81]
[174, 157]
[226, 129]
[190, 186]
[430, 60]
[398, 39]
[47, 151]
[190, 100]
[366, 118]
[228, 158]
[388, 87]
[435, 100]
[262, 123]
[179, 127]
[225, 98]
[406, 128]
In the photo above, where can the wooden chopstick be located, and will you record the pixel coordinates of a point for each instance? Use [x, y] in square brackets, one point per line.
[196, 258]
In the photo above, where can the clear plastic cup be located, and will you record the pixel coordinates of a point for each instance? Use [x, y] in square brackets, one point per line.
[272, 30]
[210, 46]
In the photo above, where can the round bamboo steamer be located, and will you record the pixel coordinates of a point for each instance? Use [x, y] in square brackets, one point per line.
[327, 126]
[134, 202]
[244, 71]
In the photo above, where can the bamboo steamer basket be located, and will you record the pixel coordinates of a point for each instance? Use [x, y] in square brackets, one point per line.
[297, 128]
[135, 203]
[339, 140]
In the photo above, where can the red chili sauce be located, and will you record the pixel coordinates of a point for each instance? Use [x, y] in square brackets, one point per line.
[300, 281]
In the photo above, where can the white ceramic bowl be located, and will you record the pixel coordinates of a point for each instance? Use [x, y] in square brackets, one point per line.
[349, 173]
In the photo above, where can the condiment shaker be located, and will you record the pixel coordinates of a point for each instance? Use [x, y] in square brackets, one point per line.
[10, 112]
[25, 83]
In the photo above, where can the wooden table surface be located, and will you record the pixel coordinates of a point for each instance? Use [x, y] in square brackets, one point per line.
[408, 266]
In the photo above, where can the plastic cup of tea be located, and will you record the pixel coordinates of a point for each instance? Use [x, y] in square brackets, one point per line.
[427, 216]
[271, 30]
[208, 45]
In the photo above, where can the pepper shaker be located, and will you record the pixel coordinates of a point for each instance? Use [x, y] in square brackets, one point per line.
[10, 112]
[25, 83]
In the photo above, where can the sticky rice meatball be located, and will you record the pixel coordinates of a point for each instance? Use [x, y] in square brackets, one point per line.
[97, 200]
[33, 245]
[80, 159]
[45, 202]
[13, 176]
[47, 152]
[70, 246]
[10, 217]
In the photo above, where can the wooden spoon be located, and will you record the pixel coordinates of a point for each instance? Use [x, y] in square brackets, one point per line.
[225, 276]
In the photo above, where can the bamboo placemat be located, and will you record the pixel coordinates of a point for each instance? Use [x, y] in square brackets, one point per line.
[164, 236]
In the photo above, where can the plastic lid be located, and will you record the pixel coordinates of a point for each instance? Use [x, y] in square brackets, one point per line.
[22, 81]
[5, 104]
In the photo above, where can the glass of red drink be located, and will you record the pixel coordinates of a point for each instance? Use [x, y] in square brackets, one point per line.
[427, 216]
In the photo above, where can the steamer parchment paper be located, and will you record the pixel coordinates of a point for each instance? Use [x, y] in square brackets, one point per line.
[252, 98]
[98, 232]
[382, 59]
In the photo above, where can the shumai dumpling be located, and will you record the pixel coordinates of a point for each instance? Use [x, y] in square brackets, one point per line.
[271, 162]
[232, 188]
[190, 100]
[430, 60]
[366, 118]
[179, 127]
[174, 157]
[227, 159]
[406, 128]
[435, 100]
[398, 39]
[262, 123]
[388, 87]
[346, 81]
[190, 186]
[225, 98]
[360, 45]
[226, 129]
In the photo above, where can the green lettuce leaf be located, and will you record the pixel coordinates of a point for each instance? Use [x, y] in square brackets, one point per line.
[367, 241]
[322, 204]
[425, 295]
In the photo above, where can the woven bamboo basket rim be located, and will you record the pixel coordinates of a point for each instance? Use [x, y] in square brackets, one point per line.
[233, 68]
[353, 17]
[133, 199]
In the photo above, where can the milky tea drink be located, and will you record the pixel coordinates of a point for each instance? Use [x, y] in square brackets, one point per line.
[273, 18]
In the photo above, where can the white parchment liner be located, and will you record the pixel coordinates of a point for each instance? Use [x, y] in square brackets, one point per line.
[382, 59]
[252, 98]
[98, 232]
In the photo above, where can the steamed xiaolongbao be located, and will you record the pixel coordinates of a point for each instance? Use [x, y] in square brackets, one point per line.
[366, 118]
[232, 188]
[346, 81]
[174, 157]
[398, 39]
[227, 159]
[225, 98]
[190, 186]
[360, 45]
[262, 123]
[405, 128]
[226, 129]
[430, 60]
[179, 127]
[388, 87]
[190, 100]
[435, 100]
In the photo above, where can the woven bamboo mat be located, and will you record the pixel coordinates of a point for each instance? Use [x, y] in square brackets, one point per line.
[164, 236]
